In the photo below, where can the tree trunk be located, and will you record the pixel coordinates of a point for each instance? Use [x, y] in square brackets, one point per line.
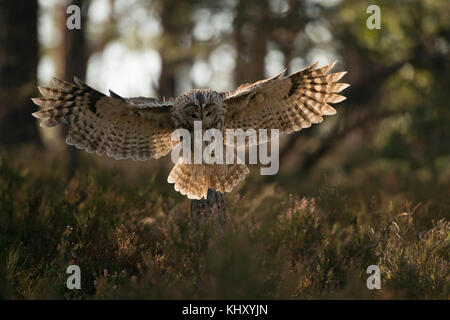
[176, 21]
[210, 210]
[251, 46]
[74, 46]
[72, 60]
[18, 66]
[167, 79]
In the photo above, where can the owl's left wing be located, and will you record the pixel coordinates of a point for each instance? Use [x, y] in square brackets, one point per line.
[123, 128]
[285, 103]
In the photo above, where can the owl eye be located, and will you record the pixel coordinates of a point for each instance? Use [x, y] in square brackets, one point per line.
[207, 114]
[193, 115]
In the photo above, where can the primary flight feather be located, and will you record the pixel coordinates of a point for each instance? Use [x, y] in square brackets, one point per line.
[140, 128]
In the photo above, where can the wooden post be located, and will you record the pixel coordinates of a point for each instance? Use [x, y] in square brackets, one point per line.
[210, 209]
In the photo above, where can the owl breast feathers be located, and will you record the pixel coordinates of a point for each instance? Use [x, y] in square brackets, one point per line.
[141, 128]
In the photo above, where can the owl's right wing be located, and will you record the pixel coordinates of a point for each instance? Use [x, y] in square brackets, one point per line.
[122, 128]
[285, 103]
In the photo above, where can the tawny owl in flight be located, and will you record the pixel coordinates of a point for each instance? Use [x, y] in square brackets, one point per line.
[141, 128]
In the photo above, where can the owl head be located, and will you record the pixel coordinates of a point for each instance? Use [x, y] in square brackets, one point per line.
[200, 105]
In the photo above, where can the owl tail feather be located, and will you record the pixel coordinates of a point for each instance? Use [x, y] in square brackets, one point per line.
[194, 180]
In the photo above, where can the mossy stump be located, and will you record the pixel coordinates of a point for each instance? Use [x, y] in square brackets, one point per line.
[212, 209]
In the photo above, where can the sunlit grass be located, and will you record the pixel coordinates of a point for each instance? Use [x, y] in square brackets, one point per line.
[137, 240]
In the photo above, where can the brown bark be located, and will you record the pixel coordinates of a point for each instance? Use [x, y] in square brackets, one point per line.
[209, 210]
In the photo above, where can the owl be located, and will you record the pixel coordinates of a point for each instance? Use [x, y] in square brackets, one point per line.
[141, 128]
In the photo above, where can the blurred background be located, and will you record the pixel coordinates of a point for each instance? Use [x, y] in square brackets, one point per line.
[389, 140]
[395, 118]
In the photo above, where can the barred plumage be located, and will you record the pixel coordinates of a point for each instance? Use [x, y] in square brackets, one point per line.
[194, 180]
[286, 103]
[140, 128]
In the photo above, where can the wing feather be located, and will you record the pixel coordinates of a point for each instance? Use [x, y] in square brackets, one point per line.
[123, 128]
[285, 103]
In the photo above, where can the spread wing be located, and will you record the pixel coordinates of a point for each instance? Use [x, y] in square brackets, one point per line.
[285, 103]
[122, 128]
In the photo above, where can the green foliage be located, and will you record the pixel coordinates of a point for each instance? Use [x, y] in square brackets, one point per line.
[132, 240]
